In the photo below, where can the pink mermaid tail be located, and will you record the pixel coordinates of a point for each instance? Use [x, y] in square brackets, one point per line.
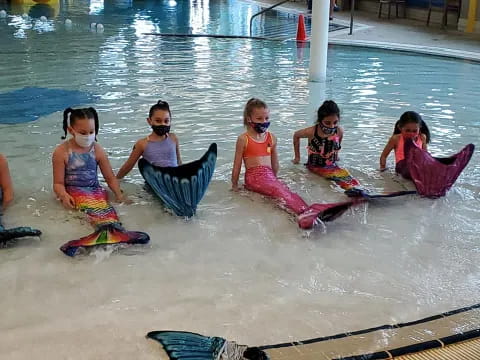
[262, 180]
[93, 202]
[433, 176]
[336, 174]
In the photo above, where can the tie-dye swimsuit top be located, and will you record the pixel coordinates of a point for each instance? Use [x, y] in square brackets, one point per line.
[323, 151]
[81, 169]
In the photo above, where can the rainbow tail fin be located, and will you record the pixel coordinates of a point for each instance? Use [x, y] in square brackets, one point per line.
[323, 212]
[181, 345]
[106, 235]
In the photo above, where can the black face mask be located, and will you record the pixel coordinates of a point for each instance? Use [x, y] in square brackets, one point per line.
[161, 130]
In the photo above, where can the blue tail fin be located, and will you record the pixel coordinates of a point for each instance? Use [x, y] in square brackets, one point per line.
[16, 233]
[181, 345]
[181, 188]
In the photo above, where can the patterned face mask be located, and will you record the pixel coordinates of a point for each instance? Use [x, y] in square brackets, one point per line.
[260, 127]
[328, 130]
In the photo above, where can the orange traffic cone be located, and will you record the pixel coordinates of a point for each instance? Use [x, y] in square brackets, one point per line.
[301, 31]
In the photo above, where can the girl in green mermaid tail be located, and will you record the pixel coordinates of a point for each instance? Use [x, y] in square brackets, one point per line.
[324, 144]
[75, 182]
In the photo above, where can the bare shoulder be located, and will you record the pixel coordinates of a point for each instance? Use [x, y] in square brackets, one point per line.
[141, 144]
[3, 159]
[99, 151]
[60, 150]
[340, 130]
[174, 137]
[274, 139]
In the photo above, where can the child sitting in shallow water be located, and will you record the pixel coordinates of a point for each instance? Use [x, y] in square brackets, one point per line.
[257, 149]
[161, 147]
[409, 126]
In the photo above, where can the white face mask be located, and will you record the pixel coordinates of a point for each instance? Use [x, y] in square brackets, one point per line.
[84, 140]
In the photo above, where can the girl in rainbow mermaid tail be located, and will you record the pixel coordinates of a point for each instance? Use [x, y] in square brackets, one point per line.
[257, 149]
[409, 126]
[161, 147]
[6, 198]
[75, 182]
[324, 144]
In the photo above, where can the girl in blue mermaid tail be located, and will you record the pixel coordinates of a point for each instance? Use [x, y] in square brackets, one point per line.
[324, 144]
[160, 147]
[75, 182]
[179, 187]
[6, 198]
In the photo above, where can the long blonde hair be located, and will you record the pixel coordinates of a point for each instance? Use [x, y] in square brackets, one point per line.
[252, 103]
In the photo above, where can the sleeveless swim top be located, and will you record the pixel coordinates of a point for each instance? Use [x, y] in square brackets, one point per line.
[323, 151]
[255, 148]
[161, 153]
[400, 148]
[81, 169]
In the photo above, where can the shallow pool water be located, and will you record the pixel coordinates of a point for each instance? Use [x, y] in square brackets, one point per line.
[241, 268]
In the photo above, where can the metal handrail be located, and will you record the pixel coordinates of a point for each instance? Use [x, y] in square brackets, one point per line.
[263, 11]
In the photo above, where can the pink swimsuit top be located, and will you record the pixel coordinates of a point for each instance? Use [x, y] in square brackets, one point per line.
[399, 149]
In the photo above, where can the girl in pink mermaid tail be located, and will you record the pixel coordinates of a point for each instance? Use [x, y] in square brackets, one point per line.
[75, 182]
[324, 144]
[410, 126]
[257, 149]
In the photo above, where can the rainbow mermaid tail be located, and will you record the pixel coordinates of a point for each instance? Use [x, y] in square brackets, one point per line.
[16, 233]
[340, 176]
[93, 202]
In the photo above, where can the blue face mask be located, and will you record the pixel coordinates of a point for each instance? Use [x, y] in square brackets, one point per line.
[328, 130]
[260, 127]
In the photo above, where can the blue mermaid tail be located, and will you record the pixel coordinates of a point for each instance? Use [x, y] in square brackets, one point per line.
[16, 233]
[181, 188]
[182, 345]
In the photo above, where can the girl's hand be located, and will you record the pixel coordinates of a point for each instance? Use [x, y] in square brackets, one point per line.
[296, 160]
[123, 199]
[67, 201]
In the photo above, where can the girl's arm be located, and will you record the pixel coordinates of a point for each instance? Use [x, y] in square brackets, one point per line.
[340, 138]
[300, 134]
[177, 147]
[424, 141]
[274, 154]
[58, 161]
[132, 160]
[237, 161]
[107, 173]
[386, 151]
[5, 183]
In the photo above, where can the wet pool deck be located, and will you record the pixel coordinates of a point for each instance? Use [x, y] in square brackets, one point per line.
[402, 33]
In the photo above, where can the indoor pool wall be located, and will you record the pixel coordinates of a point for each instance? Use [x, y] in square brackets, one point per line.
[240, 269]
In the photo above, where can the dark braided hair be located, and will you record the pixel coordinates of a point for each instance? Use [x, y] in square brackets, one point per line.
[412, 117]
[77, 114]
[160, 105]
[329, 107]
